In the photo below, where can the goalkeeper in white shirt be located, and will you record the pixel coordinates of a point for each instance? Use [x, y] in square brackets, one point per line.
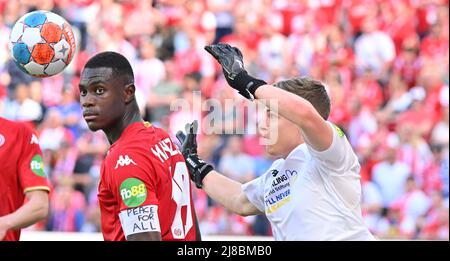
[313, 191]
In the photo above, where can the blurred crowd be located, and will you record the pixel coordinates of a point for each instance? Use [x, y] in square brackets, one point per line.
[385, 65]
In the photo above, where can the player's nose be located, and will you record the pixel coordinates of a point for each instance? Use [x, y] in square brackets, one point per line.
[87, 101]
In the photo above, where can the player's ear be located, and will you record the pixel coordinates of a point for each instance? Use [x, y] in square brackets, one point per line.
[129, 92]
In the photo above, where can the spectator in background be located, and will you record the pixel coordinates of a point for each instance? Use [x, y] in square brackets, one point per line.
[415, 110]
[399, 100]
[67, 208]
[222, 9]
[53, 133]
[4, 52]
[273, 49]
[340, 109]
[435, 45]
[142, 13]
[22, 107]
[211, 148]
[372, 205]
[234, 163]
[161, 96]
[414, 150]
[363, 123]
[435, 224]
[13, 76]
[91, 147]
[439, 133]
[374, 50]
[303, 42]
[188, 59]
[92, 216]
[148, 62]
[408, 63]
[431, 179]
[397, 19]
[70, 111]
[390, 175]
[411, 206]
[63, 162]
[368, 90]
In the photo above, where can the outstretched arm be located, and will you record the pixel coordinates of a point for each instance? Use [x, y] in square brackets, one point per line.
[228, 193]
[224, 190]
[316, 132]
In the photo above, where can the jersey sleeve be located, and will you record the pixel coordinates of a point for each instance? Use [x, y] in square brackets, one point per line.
[339, 157]
[30, 165]
[133, 182]
[254, 190]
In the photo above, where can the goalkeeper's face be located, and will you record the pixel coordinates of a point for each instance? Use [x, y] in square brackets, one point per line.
[279, 135]
[101, 98]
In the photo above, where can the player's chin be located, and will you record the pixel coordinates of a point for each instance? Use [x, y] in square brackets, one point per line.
[93, 126]
[271, 150]
[274, 151]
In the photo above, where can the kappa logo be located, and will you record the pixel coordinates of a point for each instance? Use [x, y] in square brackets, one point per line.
[34, 139]
[124, 161]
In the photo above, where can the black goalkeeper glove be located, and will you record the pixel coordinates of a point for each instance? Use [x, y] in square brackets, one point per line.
[231, 60]
[198, 168]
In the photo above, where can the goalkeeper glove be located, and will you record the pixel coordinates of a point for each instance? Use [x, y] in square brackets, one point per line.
[198, 168]
[231, 60]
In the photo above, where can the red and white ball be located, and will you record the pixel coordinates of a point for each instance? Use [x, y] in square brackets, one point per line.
[42, 43]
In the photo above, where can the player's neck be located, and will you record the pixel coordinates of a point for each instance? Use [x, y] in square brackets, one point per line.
[129, 117]
[291, 149]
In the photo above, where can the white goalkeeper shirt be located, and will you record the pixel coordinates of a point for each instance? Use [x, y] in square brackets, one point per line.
[313, 195]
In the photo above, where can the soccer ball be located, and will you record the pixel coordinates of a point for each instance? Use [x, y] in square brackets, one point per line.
[42, 43]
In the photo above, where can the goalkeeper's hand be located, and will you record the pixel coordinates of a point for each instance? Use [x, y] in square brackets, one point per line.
[231, 60]
[198, 168]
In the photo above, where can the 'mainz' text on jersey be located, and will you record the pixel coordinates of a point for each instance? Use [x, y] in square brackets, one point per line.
[165, 149]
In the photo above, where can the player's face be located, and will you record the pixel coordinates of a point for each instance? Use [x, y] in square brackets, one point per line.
[101, 97]
[280, 135]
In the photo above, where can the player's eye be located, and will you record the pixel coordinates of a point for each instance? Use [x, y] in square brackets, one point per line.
[100, 91]
[83, 92]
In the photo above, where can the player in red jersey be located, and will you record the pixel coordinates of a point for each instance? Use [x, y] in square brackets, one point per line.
[21, 176]
[144, 191]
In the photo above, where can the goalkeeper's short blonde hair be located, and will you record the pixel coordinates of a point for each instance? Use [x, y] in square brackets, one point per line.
[309, 89]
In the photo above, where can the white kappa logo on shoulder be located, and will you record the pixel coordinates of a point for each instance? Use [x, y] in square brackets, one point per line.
[124, 161]
[34, 139]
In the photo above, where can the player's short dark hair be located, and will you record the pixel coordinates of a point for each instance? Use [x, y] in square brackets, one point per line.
[310, 90]
[117, 62]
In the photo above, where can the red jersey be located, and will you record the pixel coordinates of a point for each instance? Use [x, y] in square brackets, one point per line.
[145, 187]
[22, 168]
